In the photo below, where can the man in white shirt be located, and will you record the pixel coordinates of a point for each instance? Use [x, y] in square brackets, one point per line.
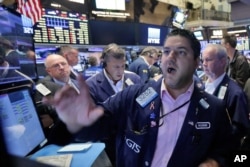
[215, 60]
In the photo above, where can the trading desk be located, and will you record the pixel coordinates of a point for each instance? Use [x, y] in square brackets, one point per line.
[80, 159]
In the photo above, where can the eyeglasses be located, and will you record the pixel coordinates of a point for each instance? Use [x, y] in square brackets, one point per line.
[144, 129]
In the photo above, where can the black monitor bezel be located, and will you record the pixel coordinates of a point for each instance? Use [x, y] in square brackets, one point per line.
[19, 82]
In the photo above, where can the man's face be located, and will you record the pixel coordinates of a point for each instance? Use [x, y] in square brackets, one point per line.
[154, 58]
[72, 57]
[115, 68]
[178, 63]
[212, 66]
[58, 68]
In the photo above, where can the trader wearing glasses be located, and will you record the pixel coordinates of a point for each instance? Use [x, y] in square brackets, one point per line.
[169, 122]
[58, 71]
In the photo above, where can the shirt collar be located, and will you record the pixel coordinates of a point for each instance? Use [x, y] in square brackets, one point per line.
[111, 82]
[62, 83]
[211, 86]
[164, 89]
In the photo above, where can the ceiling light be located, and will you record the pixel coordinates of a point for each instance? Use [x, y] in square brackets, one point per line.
[55, 5]
[237, 31]
[77, 1]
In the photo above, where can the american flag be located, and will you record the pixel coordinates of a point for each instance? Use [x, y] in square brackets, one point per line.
[30, 8]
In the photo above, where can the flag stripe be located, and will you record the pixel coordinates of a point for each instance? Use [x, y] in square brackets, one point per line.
[30, 8]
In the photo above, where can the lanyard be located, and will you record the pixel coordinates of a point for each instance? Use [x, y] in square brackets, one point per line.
[177, 108]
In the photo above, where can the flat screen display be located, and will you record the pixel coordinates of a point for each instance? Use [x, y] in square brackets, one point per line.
[20, 123]
[149, 34]
[110, 4]
[106, 32]
[16, 38]
[62, 27]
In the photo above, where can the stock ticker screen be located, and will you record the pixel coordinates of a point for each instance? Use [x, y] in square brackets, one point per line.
[61, 27]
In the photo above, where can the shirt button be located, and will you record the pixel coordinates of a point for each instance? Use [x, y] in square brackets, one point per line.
[146, 163]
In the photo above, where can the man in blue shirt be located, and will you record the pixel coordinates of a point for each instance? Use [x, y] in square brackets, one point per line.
[93, 68]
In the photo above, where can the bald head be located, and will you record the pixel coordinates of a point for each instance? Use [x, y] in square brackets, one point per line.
[57, 67]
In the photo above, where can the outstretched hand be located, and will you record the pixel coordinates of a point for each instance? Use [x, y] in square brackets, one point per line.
[75, 109]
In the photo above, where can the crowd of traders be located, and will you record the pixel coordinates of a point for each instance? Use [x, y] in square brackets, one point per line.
[174, 119]
[156, 111]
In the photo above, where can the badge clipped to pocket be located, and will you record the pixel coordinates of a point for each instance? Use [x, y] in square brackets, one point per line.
[146, 97]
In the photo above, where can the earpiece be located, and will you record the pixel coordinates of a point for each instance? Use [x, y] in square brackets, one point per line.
[104, 56]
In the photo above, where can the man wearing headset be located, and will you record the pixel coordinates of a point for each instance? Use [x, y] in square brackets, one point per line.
[170, 122]
[111, 80]
[142, 64]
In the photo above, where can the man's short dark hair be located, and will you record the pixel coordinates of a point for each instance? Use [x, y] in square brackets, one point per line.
[92, 61]
[194, 42]
[231, 39]
[113, 50]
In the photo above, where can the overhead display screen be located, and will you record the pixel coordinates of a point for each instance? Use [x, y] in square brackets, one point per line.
[149, 34]
[61, 27]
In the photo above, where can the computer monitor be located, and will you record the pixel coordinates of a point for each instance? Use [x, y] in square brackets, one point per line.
[16, 38]
[22, 129]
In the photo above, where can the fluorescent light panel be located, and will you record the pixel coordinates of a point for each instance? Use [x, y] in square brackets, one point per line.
[236, 31]
[77, 1]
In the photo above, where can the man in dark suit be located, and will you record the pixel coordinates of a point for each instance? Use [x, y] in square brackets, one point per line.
[215, 60]
[58, 71]
[111, 80]
[170, 122]
[141, 66]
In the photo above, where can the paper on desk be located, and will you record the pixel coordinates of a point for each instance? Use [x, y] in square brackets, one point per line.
[75, 147]
[63, 160]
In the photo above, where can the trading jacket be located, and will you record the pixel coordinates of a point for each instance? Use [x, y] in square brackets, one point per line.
[100, 89]
[239, 69]
[205, 131]
[141, 68]
[235, 101]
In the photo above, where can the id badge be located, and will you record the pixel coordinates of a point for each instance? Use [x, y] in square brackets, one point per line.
[146, 97]
[222, 92]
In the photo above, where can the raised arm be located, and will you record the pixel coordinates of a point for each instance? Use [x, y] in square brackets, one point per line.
[75, 109]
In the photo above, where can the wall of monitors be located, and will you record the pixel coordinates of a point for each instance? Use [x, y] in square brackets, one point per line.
[61, 27]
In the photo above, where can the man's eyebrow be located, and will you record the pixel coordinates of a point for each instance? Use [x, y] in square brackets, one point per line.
[180, 47]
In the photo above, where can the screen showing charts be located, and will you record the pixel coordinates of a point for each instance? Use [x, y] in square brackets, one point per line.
[61, 27]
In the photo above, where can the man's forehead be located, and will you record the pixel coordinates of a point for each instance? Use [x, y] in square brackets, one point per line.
[177, 41]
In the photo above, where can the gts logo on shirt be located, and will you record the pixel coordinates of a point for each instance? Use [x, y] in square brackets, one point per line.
[131, 144]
